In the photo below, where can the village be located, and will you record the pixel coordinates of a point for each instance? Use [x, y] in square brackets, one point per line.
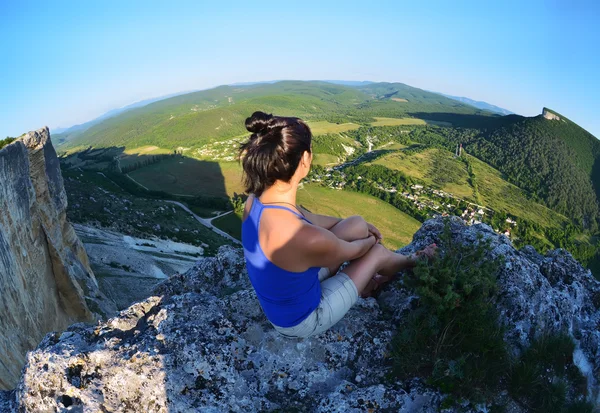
[433, 201]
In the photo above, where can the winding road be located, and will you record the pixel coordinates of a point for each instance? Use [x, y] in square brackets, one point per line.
[207, 222]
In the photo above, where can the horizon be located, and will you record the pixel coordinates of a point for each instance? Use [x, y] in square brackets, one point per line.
[185, 92]
[86, 60]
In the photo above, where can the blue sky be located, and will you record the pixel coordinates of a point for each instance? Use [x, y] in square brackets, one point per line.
[64, 63]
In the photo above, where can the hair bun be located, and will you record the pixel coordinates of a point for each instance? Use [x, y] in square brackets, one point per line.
[258, 122]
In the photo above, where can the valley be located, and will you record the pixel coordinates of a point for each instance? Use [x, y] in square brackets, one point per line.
[408, 143]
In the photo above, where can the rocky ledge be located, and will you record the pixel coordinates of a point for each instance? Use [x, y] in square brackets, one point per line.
[202, 343]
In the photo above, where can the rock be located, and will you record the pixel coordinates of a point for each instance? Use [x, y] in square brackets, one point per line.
[203, 343]
[206, 342]
[7, 401]
[536, 294]
[45, 278]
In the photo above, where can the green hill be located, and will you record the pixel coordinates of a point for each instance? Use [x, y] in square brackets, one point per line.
[195, 118]
[553, 159]
[519, 166]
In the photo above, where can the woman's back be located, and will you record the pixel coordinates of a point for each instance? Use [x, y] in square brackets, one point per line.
[287, 297]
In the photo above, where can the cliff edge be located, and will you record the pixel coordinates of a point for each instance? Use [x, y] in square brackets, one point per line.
[45, 278]
[202, 342]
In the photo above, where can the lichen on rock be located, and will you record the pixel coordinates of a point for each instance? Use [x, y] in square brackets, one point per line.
[203, 343]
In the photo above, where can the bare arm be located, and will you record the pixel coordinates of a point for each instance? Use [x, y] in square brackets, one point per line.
[323, 221]
[324, 249]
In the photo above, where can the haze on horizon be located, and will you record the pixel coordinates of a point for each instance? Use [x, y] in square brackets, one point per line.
[68, 63]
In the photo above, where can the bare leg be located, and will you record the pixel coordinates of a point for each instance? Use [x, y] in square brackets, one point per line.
[377, 260]
[349, 229]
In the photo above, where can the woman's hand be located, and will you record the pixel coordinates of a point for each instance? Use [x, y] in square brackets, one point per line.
[364, 245]
[375, 232]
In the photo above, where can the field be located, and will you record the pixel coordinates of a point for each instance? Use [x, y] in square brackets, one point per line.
[324, 159]
[189, 176]
[231, 224]
[396, 227]
[439, 169]
[434, 167]
[407, 121]
[131, 156]
[499, 194]
[394, 121]
[323, 127]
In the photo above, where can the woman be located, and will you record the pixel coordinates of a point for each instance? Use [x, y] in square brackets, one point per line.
[292, 255]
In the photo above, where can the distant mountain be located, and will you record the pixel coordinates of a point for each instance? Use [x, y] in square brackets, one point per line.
[350, 82]
[61, 135]
[192, 119]
[479, 104]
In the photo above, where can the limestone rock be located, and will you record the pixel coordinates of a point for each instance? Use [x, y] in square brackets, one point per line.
[45, 278]
[203, 344]
[549, 114]
[206, 343]
[536, 293]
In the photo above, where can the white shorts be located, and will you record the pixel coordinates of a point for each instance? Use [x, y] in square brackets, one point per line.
[338, 295]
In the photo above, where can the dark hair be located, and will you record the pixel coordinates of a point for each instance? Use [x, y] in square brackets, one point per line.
[273, 151]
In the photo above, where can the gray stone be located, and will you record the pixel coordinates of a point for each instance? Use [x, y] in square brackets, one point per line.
[203, 343]
[45, 278]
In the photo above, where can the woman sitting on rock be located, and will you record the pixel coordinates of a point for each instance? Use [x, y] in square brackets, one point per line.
[292, 255]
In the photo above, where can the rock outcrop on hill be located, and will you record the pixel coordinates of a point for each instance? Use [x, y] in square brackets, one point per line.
[549, 114]
[203, 341]
[46, 283]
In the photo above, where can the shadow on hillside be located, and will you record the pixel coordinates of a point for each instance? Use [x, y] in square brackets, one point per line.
[198, 184]
[595, 177]
[468, 121]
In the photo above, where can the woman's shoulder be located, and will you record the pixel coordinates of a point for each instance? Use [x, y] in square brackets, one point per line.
[248, 206]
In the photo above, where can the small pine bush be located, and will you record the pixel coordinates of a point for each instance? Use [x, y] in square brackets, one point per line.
[453, 338]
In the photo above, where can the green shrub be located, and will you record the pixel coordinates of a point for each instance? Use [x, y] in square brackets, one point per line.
[6, 141]
[453, 338]
[545, 374]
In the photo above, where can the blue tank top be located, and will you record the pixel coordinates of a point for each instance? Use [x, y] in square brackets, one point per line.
[286, 297]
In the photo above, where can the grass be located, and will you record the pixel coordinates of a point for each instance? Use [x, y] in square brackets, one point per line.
[322, 127]
[381, 121]
[396, 227]
[325, 159]
[498, 194]
[439, 169]
[131, 156]
[393, 146]
[434, 167]
[189, 176]
[231, 224]
[543, 376]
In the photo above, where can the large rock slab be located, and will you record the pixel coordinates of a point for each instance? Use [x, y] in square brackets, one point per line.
[45, 279]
